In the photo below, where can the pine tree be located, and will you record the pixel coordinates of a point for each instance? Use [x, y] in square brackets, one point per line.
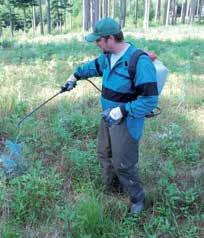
[146, 14]
[122, 12]
[86, 15]
[23, 5]
[58, 12]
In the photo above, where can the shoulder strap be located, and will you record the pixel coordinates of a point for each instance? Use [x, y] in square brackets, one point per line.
[133, 62]
[132, 72]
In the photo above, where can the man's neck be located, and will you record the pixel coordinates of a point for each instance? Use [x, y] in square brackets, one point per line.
[120, 46]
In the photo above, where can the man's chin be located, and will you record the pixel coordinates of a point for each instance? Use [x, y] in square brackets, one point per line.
[106, 52]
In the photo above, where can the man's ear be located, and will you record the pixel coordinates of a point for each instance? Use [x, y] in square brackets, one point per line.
[111, 37]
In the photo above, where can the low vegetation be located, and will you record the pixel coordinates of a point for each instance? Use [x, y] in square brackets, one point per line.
[60, 192]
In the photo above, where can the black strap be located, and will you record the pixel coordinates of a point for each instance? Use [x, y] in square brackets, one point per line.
[133, 63]
[132, 72]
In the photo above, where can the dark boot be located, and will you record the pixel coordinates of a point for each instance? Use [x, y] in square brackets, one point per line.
[136, 208]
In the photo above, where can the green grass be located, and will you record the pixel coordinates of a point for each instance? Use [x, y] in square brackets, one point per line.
[60, 195]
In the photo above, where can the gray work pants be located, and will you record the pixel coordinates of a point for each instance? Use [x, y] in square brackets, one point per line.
[118, 155]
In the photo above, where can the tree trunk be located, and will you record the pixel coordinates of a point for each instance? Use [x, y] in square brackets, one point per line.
[58, 17]
[174, 9]
[1, 28]
[146, 14]
[86, 15]
[60, 24]
[197, 7]
[157, 10]
[168, 3]
[100, 9]
[165, 10]
[95, 11]
[136, 11]
[49, 28]
[175, 16]
[183, 11]
[187, 9]
[41, 18]
[24, 20]
[113, 9]
[1, 24]
[122, 12]
[33, 19]
[201, 10]
[109, 8]
[105, 8]
[65, 19]
[70, 20]
[192, 11]
[10, 19]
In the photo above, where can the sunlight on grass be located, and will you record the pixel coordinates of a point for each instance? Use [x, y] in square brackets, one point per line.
[171, 32]
[174, 85]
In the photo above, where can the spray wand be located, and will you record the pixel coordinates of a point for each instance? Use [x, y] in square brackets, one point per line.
[38, 107]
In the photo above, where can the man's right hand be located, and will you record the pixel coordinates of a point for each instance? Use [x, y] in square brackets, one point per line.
[70, 84]
[112, 116]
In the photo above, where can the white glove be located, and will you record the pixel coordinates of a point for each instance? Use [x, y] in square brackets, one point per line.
[116, 113]
[69, 85]
[71, 78]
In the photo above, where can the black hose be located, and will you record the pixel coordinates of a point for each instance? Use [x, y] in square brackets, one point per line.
[93, 85]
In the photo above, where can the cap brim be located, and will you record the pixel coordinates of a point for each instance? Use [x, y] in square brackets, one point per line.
[92, 37]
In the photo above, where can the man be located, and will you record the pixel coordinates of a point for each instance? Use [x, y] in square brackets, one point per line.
[125, 103]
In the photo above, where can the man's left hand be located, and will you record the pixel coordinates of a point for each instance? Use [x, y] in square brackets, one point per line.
[112, 116]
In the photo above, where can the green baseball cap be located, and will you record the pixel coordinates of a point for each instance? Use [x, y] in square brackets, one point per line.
[105, 27]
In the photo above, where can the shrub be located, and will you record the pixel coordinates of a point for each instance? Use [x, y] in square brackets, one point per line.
[88, 218]
[35, 194]
[3, 194]
[172, 142]
[6, 43]
[10, 230]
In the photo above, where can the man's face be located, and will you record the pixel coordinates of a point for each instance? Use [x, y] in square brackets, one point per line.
[105, 44]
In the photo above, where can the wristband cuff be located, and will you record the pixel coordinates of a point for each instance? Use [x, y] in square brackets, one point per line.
[76, 76]
[123, 110]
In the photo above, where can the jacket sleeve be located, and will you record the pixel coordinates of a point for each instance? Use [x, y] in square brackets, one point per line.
[146, 86]
[93, 68]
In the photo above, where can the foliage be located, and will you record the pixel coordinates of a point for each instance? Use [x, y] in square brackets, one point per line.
[171, 143]
[6, 43]
[23, 13]
[3, 195]
[61, 193]
[35, 194]
[58, 10]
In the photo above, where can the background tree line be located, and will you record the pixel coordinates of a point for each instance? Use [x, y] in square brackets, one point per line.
[58, 14]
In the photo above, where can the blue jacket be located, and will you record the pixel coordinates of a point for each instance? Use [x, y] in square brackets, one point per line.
[136, 97]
